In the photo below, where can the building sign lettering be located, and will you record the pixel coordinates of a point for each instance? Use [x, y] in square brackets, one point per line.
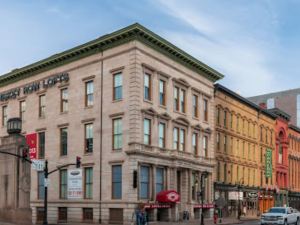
[268, 171]
[35, 86]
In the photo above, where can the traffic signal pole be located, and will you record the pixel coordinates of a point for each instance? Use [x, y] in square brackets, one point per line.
[46, 182]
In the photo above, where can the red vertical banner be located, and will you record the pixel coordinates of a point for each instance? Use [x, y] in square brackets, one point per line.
[31, 140]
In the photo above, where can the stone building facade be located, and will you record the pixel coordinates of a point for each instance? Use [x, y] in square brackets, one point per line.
[136, 109]
[244, 135]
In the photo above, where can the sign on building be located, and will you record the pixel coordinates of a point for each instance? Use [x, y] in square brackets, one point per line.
[31, 141]
[268, 171]
[75, 184]
[235, 195]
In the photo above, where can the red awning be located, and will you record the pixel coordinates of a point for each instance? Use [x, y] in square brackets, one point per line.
[168, 196]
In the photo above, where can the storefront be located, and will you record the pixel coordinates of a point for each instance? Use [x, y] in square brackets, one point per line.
[266, 199]
[294, 200]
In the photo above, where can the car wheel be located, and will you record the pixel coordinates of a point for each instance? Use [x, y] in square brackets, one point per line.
[298, 221]
[285, 222]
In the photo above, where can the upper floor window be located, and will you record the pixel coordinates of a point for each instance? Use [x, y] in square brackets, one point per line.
[195, 143]
[118, 86]
[117, 133]
[195, 105]
[64, 141]
[175, 138]
[225, 118]
[280, 154]
[147, 131]
[89, 93]
[144, 182]
[64, 98]
[147, 86]
[225, 143]
[41, 140]
[218, 115]
[162, 135]
[116, 182]
[4, 115]
[22, 110]
[179, 99]
[218, 141]
[42, 105]
[89, 138]
[63, 184]
[205, 146]
[41, 185]
[182, 140]
[159, 183]
[162, 92]
[88, 183]
[205, 108]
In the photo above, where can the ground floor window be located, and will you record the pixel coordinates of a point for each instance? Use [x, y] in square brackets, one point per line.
[39, 214]
[87, 214]
[115, 216]
[62, 214]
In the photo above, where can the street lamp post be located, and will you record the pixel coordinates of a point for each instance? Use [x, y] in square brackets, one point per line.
[203, 176]
[239, 186]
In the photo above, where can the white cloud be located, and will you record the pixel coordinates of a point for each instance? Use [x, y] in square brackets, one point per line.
[235, 40]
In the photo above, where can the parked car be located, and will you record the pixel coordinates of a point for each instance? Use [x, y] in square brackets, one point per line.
[280, 215]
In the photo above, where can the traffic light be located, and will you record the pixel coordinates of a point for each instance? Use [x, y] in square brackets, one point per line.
[25, 153]
[78, 162]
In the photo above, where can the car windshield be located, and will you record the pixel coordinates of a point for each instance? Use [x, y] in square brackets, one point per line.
[277, 210]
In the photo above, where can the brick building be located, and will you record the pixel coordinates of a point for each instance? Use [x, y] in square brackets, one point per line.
[245, 154]
[136, 109]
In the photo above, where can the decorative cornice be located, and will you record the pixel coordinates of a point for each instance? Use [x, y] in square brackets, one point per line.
[125, 35]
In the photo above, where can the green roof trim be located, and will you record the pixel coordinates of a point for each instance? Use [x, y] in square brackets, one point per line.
[127, 34]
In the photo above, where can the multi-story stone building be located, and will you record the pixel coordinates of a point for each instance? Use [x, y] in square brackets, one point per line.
[136, 109]
[245, 154]
[294, 166]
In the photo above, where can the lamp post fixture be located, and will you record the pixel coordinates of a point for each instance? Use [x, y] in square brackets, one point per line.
[241, 181]
[203, 176]
[14, 126]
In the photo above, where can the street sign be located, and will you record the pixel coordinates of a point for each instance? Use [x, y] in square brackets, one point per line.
[235, 195]
[268, 170]
[46, 182]
[38, 165]
[75, 184]
[252, 195]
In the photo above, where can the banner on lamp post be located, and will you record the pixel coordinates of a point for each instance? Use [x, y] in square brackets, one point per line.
[75, 184]
[31, 141]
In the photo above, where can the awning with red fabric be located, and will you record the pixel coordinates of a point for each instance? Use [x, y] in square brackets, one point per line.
[168, 196]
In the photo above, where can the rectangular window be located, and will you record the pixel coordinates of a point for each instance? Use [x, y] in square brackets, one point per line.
[195, 106]
[162, 92]
[117, 182]
[88, 183]
[88, 138]
[205, 108]
[218, 141]
[118, 86]
[89, 93]
[41, 137]
[144, 182]
[182, 101]
[22, 110]
[225, 118]
[147, 131]
[159, 185]
[162, 135]
[64, 141]
[176, 99]
[147, 86]
[41, 186]
[225, 144]
[182, 140]
[87, 214]
[62, 214]
[63, 181]
[205, 146]
[64, 100]
[4, 115]
[117, 134]
[218, 116]
[175, 138]
[42, 105]
[195, 143]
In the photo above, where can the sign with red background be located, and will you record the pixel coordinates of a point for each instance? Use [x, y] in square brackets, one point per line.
[31, 141]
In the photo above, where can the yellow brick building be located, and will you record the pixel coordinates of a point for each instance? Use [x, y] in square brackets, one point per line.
[244, 132]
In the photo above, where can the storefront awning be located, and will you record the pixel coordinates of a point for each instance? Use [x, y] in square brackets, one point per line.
[169, 196]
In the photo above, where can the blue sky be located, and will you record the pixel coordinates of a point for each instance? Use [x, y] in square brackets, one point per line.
[255, 44]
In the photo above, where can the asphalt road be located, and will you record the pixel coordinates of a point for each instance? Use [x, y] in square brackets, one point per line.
[252, 222]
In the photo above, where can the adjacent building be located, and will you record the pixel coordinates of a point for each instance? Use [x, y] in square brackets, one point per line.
[245, 153]
[288, 101]
[140, 114]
